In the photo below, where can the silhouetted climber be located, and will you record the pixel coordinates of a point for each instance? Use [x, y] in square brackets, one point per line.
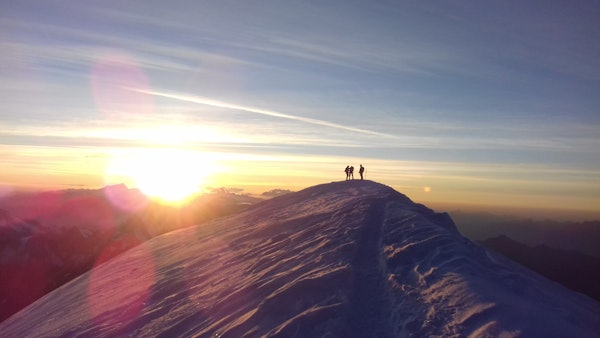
[347, 171]
[351, 176]
[361, 171]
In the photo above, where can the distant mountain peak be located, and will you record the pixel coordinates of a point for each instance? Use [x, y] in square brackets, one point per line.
[343, 259]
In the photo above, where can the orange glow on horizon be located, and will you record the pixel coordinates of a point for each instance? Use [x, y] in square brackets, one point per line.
[174, 169]
[168, 175]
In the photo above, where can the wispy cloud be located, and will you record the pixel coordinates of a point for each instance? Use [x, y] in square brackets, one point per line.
[227, 105]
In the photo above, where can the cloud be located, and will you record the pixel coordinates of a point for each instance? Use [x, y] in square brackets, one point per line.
[222, 104]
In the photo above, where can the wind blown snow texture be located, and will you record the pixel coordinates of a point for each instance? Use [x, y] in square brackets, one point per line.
[346, 259]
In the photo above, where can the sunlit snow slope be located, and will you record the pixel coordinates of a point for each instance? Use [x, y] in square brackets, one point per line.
[346, 259]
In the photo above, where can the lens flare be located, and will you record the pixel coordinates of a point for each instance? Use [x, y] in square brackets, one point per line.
[110, 77]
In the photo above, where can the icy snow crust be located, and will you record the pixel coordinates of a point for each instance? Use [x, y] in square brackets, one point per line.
[345, 259]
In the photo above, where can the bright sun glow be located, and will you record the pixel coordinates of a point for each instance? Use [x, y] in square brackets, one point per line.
[169, 175]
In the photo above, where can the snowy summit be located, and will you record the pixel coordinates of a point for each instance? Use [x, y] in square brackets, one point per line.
[345, 259]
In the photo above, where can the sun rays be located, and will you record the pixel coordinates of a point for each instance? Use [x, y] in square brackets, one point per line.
[169, 175]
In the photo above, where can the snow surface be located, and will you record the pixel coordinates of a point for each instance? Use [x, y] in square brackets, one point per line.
[345, 259]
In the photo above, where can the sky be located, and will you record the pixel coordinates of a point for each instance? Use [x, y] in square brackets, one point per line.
[491, 102]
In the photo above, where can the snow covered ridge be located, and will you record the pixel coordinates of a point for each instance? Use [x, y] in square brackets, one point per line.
[49, 238]
[345, 259]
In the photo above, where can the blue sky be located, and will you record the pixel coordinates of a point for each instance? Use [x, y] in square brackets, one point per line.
[473, 100]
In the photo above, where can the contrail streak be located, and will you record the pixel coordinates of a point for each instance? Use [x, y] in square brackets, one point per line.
[221, 104]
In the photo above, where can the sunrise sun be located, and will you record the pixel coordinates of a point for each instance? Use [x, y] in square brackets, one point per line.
[168, 175]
